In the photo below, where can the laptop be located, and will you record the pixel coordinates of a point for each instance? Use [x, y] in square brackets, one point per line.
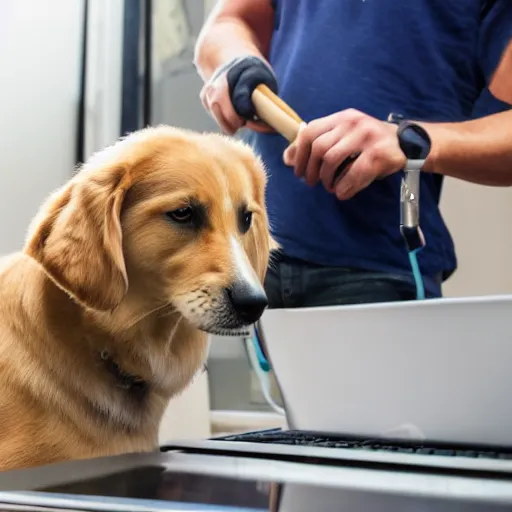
[437, 370]
[421, 385]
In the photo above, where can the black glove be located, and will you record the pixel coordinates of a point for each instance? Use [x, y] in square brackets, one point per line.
[244, 74]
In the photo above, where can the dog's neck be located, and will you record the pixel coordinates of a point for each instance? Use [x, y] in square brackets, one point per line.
[131, 320]
[127, 336]
[141, 337]
[151, 354]
[127, 382]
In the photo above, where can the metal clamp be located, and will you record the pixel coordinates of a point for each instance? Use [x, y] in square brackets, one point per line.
[415, 144]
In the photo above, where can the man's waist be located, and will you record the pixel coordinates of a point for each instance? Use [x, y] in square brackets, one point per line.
[282, 257]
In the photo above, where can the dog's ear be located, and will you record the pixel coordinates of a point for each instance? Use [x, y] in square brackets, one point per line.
[77, 238]
[273, 245]
[259, 246]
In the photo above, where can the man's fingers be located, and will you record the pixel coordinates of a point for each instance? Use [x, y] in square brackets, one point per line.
[347, 146]
[338, 124]
[320, 148]
[343, 122]
[216, 100]
[225, 126]
[302, 152]
[358, 176]
[290, 153]
[377, 161]
[203, 98]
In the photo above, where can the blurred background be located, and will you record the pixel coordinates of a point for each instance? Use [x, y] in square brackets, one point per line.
[77, 74]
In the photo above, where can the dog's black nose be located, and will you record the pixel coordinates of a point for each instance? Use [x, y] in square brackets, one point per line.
[248, 301]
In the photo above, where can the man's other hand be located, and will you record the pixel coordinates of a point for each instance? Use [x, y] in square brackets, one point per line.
[325, 143]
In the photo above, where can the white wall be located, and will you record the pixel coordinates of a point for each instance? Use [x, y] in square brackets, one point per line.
[480, 219]
[40, 50]
[104, 74]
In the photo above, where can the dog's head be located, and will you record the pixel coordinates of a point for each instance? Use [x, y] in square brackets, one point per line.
[164, 216]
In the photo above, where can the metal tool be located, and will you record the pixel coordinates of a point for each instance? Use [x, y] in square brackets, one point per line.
[415, 143]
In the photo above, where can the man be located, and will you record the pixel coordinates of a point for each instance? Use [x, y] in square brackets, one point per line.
[344, 65]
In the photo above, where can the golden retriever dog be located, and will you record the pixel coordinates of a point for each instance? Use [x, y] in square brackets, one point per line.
[104, 316]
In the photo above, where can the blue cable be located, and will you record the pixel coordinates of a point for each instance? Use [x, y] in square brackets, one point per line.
[262, 360]
[416, 273]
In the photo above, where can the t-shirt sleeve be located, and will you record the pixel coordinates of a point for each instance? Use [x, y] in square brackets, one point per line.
[495, 35]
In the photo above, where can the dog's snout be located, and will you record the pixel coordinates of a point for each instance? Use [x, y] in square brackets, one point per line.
[248, 301]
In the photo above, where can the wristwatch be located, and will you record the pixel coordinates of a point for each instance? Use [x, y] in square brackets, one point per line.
[413, 139]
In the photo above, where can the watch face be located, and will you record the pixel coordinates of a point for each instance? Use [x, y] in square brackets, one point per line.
[414, 140]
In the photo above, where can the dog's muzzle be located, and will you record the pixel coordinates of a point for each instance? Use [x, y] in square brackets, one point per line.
[245, 295]
[248, 301]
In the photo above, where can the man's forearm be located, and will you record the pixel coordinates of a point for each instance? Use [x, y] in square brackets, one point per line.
[479, 151]
[222, 39]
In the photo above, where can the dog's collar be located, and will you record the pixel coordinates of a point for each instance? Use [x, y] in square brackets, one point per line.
[124, 380]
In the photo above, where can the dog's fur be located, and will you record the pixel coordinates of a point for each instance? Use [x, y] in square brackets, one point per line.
[109, 286]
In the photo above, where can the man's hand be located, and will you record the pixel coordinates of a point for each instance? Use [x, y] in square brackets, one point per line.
[325, 143]
[216, 98]
[216, 101]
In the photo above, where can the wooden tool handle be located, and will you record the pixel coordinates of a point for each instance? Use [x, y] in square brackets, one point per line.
[279, 102]
[276, 113]
[280, 116]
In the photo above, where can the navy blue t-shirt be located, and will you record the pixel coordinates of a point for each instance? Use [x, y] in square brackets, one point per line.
[425, 59]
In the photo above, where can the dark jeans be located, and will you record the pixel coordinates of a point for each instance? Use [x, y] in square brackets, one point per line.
[297, 284]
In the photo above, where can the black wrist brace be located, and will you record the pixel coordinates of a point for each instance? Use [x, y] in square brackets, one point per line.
[244, 75]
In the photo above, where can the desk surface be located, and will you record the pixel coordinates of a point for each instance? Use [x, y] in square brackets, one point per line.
[183, 480]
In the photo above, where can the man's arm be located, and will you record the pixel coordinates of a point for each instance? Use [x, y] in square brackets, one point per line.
[479, 150]
[234, 28]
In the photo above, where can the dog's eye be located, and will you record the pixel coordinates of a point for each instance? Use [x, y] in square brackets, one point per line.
[245, 221]
[182, 215]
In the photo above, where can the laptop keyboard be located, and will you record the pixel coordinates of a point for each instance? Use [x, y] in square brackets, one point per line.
[301, 438]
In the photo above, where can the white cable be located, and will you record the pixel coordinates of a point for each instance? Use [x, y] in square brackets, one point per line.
[263, 377]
